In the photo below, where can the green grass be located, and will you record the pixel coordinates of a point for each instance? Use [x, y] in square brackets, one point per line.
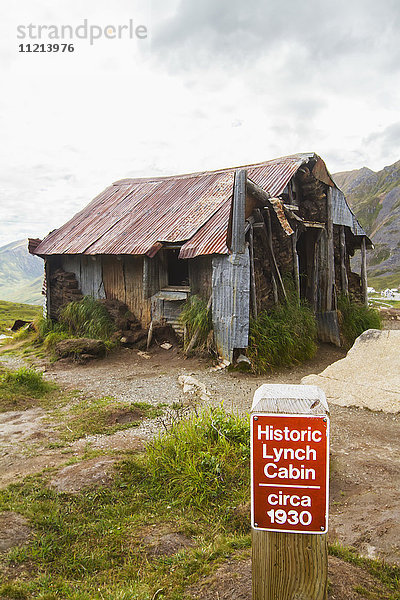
[383, 281]
[283, 336]
[202, 461]
[356, 318]
[11, 311]
[23, 389]
[102, 416]
[196, 317]
[87, 318]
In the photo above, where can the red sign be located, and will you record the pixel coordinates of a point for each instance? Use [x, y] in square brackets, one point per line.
[290, 467]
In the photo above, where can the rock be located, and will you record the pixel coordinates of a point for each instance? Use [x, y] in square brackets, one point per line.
[368, 377]
[77, 347]
[166, 346]
[162, 543]
[14, 530]
[132, 337]
[92, 473]
[19, 324]
[191, 385]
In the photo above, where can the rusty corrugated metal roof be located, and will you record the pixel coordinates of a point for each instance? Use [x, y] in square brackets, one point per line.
[136, 216]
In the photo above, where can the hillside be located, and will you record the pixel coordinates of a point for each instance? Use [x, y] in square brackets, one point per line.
[21, 274]
[375, 199]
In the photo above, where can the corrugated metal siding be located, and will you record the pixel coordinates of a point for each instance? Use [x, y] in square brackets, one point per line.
[92, 277]
[341, 212]
[231, 302]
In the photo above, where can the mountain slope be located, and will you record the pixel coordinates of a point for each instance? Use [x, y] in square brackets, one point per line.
[375, 199]
[21, 274]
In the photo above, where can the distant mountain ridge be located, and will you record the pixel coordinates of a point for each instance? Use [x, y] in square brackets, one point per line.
[375, 199]
[21, 274]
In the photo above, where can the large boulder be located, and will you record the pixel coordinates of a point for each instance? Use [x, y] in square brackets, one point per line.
[80, 347]
[368, 377]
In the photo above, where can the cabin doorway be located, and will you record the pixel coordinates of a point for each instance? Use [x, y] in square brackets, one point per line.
[177, 269]
[311, 252]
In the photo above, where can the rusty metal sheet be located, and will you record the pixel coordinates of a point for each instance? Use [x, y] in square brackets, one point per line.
[136, 216]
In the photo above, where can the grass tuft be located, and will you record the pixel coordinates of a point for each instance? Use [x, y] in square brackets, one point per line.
[87, 318]
[355, 318]
[203, 460]
[195, 316]
[283, 336]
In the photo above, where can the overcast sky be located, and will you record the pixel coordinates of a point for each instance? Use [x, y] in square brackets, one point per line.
[216, 83]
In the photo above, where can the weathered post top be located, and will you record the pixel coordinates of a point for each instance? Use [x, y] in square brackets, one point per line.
[290, 399]
[290, 475]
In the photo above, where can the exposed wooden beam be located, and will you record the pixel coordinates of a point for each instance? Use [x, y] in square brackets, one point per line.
[252, 275]
[343, 270]
[258, 193]
[364, 290]
[330, 251]
[296, 269]
[266, 234]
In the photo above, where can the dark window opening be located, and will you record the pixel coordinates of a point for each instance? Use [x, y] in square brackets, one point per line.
[178, 270]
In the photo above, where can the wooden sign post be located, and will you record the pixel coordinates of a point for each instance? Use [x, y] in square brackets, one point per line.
[289, 506]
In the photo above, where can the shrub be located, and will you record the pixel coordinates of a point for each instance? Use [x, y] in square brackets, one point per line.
[354, 318]
[204, 459]
[282, 336]
[196, 316]
[87, 318]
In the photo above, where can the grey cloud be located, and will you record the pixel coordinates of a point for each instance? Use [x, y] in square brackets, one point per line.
[234, 31]
[388, 139]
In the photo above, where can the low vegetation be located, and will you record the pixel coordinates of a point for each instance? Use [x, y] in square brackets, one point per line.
[355, 318]
[387, 574]
[196, 320]
[191, 486]
[283, 336]
[95, 544]
[23, 389]
[102, 416]
[86, 318]
[201, 461]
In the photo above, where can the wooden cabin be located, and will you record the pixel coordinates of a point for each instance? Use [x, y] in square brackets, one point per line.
[231, 236]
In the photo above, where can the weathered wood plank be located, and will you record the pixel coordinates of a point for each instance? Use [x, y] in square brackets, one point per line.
[266, 235]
